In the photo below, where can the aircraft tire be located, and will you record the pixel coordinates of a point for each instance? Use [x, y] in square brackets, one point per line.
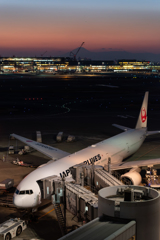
[19, 230]
[8, 236]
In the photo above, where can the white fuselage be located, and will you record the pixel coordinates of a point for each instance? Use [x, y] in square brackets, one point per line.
[116, 148]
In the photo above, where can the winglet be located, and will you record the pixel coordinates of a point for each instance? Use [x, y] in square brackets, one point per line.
[142, 119]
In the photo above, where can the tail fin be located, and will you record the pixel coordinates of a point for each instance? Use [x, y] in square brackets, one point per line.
[142, 119]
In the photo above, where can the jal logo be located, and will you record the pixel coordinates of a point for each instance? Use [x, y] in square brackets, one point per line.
[143, 115]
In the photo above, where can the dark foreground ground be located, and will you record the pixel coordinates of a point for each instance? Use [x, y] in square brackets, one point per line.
[84, 106]
[76, 103]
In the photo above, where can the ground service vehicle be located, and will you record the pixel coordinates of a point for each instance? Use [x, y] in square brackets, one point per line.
[12, 228]
[11, 150]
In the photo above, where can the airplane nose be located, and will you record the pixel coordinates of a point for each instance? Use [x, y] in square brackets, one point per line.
[17, 202]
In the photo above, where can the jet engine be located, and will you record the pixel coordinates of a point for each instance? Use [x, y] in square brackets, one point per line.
[132, 177]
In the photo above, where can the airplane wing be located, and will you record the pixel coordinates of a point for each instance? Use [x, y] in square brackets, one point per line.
[135, 164]
[121, 127]
[152, 132]
[49, 151]
[127, 128]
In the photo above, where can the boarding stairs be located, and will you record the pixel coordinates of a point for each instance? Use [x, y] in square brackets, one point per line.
[109, 179]
[60, 217]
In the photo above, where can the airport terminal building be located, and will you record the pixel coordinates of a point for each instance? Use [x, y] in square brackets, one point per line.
[68, 65]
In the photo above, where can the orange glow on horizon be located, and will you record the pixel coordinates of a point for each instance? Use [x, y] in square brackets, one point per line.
[63, 31]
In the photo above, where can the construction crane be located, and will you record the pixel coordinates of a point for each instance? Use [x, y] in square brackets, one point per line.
[75, 54]
[43, 53]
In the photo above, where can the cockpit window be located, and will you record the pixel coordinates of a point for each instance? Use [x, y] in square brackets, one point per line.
[24, 192]
[29, 192]
[17, 191]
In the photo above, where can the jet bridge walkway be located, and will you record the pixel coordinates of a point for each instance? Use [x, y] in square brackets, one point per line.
[103, 229]
[103, 178]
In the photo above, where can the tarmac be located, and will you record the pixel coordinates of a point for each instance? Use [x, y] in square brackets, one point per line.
[80, 106]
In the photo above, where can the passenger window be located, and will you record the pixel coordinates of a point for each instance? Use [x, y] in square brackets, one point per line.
[31, 192]
[27, 192]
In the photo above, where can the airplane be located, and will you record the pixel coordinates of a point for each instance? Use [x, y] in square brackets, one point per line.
[116, 148]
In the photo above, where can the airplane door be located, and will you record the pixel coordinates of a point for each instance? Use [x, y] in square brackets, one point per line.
[109, 164]
[40, 183]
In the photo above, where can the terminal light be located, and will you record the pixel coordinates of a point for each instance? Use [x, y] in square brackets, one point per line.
[86, 209]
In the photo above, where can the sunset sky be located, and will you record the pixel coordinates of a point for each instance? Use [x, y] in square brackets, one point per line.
[32, 27]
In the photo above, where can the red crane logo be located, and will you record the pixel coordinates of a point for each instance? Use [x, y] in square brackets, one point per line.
[143, 115]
